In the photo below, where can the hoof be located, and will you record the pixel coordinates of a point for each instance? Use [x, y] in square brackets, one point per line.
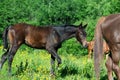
[52, 76]
[0, 66]
[10, 74]
[58, 64]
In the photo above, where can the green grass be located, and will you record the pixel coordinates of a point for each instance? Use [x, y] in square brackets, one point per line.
[33, 64]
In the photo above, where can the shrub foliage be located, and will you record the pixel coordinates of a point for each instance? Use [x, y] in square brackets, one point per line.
[56, 12]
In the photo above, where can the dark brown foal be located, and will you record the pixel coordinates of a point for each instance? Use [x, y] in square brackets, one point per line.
[44, 37]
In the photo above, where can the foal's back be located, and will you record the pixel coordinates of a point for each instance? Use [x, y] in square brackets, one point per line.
[31, 35]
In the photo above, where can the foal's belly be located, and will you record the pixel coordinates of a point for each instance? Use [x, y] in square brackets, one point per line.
[35, 43]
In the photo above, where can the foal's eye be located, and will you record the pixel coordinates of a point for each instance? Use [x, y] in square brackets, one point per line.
[81, 33]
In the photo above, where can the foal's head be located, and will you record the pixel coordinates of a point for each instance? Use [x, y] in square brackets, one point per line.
[81, 35]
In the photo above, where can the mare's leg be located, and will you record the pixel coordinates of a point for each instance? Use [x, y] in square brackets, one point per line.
[109, 64]
[11, 55]
[52, 65]
[116, 68]
[3, 58]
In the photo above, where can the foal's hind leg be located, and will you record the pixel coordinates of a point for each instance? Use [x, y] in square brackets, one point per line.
[11, 55]
[3, 58]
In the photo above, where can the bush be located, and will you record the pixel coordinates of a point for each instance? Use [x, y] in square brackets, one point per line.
[55, 12]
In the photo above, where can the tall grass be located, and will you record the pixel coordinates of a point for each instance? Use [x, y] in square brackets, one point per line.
[33, 64]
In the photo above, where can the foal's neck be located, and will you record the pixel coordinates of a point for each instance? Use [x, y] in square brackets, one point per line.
[69, 33]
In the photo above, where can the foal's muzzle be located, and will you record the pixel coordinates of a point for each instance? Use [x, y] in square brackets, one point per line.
[85, 44]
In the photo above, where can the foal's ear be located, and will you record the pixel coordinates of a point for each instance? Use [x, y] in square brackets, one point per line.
[80, 24]
[82, 27]
[85, 26]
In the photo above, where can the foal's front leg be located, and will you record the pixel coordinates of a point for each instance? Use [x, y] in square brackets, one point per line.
[54, 55]
[89, 53]
[52, 69]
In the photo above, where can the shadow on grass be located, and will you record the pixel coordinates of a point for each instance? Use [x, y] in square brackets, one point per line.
[21, 68]
[67, 70]
[106, 78]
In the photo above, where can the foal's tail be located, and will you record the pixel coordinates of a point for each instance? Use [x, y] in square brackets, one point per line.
[5, 41]
[98, 47]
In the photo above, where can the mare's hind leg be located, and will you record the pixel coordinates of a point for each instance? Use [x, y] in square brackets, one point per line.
[11, 55]
[109, 67]
[116, 68]
[3, 58]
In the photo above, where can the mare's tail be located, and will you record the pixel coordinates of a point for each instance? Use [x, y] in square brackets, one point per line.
[98, 47]
[5, 41]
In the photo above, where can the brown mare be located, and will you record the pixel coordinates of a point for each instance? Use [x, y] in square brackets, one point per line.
[108, 27]
[44, 37]
[91, 46]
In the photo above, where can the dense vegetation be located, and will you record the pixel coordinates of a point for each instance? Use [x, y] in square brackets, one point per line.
[56, 12]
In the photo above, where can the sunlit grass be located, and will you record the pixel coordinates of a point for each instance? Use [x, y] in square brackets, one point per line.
[33, 64]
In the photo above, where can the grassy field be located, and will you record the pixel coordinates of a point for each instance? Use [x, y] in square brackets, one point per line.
[34, 64]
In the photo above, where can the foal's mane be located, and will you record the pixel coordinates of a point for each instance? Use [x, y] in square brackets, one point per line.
[66, 25]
